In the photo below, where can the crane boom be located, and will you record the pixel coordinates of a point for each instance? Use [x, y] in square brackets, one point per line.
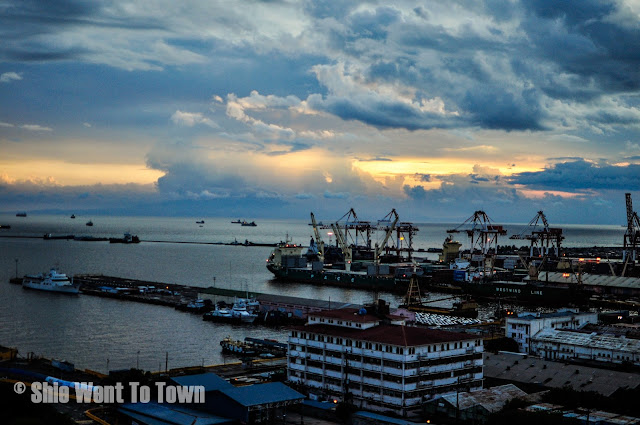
[346, 250]
[380, 247]
[319, 240]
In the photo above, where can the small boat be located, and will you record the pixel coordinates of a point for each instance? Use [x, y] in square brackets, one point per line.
[73, 216]
[236, 314]
[245, 223]
[197, 306]
[21, 214]
[237, 222]
[200, 222]
[237, 347]
[219, 314]
[5, 226]
[52, 281]
[89, 223]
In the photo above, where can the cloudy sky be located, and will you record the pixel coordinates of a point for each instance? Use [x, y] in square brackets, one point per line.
[278, 108]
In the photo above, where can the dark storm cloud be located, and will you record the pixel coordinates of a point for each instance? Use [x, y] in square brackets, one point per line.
[581, 175]
[582, 38]
[576, 51]
[26, 28]
[381, 113]
[415, 192]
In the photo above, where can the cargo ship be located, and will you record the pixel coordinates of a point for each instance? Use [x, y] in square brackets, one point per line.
[386, 266]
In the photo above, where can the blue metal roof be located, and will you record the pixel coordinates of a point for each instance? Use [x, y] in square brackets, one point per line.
[158, 414]
[324, 405]
[253, 395]
[210, 381]
[386, 419]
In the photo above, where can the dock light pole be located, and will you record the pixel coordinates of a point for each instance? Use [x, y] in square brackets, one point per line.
[138, 360]
[107, 366]
[214, 281]
[16, 268]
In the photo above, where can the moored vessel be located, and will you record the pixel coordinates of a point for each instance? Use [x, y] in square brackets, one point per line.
[243, 311]
[127, 238]
[52, 281]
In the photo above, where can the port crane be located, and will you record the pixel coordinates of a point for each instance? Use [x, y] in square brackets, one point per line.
[545, 240]
[319, 241]
[356, 232]
[389, 231]
[483, 237]
[631, 235]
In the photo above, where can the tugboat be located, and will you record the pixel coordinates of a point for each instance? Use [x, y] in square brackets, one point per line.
[89, 223]
[73, 216]
[246, 223]
[53, 281]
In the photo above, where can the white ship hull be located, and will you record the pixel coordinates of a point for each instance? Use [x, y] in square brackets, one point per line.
[51, 282]
[67, 289]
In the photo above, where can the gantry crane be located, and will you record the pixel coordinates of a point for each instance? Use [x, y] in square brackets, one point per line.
[389, 231]
[631, 236]
[546, 240]
[483, 237]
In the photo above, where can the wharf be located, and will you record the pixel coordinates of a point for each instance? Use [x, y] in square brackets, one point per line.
[167, 294]
[178, 296]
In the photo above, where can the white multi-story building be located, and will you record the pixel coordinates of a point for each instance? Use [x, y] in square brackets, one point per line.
[351, 355]
[526, 325]
[556, 344]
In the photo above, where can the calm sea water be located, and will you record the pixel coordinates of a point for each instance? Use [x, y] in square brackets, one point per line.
[103, 334]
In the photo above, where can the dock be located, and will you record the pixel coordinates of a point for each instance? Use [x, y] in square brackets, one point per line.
[275, 309]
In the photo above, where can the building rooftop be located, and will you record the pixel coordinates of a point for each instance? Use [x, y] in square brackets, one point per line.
[354, 315]
[252, 395]
[158, 414]
[492, 399]
[385, 419]
[532, 370]
[406, 336]
[592, 279]
[210, 381]
[554, 314]
[594, 340]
